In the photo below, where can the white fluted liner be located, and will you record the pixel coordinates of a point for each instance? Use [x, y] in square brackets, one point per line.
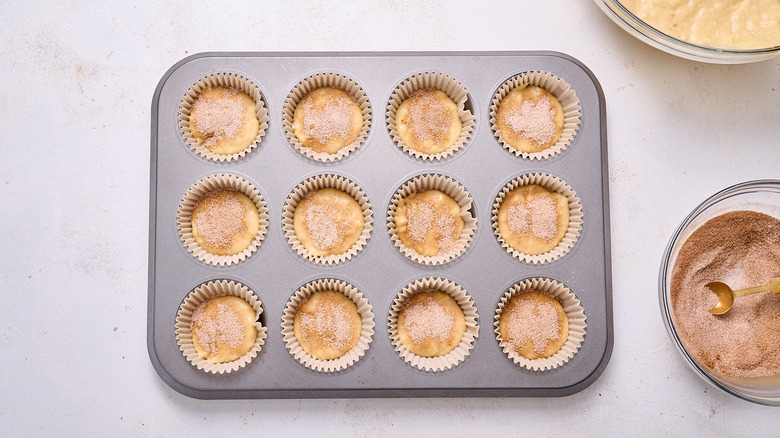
[575, 216]
[466, 304]
[574, 313]
[226, 80]
[198, 191]
[201, 294]
[558, 88]
[350, 357]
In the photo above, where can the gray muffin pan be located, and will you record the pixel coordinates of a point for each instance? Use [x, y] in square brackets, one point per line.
[380, 271]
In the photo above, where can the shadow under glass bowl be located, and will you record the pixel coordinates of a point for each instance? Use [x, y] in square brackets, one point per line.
[762, 196]
[660, 40]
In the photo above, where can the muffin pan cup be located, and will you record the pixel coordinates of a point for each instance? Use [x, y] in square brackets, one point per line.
[451, 188]
[274, 272]
[201, 294]
[574, 314]
[306, 86]
[363, 309]
[461, 351]
[227, 80]
[558, 88]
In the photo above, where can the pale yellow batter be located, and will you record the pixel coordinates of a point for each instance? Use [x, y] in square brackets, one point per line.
[327, 119]
[224, 120]
[328, 222]
[729, 24]
[431, 324]
[429, 222]
[534, 325]
[327, 325]
[428, 122]
[530, 119]
[223, 329]
[225, 222]
[532, 219]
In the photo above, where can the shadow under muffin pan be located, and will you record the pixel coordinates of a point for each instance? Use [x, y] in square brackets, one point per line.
[380, 271]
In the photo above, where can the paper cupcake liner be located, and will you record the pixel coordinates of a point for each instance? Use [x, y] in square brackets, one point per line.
[350, 357]
[310, 84]
[574, 312]
[198, 191]
[321, 182]
[558, 88]
[431, 80]
[183, 324]
[226, 80]
[460, 352]
[451, 188]
[575, 216]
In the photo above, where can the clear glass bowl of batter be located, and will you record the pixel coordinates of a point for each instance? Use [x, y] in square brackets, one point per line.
[660, 40]
[762, 196]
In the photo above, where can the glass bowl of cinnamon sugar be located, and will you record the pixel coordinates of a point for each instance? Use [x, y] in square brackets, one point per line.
[733, 237]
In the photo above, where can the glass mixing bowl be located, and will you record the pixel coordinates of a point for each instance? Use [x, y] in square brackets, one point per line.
[762, 196]
[650, 35]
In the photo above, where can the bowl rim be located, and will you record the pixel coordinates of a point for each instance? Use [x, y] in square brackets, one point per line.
[643, 29]
[664, 271]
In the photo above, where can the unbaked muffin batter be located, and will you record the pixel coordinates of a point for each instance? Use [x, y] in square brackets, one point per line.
[530, 119]
[429, 222]
[225, 222]
[729, 24]
[532, 219]
[327, 325]
[328, 222]
[223, 329]
[534, 325]
[428, 122]
[224, 120]
[327, 119]
[431, 323]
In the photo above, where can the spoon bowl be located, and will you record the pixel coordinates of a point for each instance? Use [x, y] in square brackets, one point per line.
[726, 295]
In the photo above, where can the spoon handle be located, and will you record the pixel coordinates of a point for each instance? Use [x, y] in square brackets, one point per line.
[773, 285]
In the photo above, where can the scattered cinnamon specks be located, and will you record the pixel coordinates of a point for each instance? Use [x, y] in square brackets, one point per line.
[427, 118]
[226, 328]
[219, 217]
[539, 217]
[533, 120]
[218, 116]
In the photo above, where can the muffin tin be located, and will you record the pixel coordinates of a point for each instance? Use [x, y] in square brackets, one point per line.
[380, 271]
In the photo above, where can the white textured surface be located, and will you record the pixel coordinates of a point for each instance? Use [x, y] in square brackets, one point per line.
[78, 79]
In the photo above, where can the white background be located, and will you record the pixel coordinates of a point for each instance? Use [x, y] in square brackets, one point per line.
[77, 82]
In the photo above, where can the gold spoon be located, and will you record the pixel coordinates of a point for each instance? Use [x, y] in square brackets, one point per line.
[726, 295]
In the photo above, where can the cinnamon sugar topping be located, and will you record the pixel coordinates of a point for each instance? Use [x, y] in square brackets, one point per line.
[224, 329]
[427, 320]
[427, 118]
[539, 217]
[424, 217]
[218, 118]
[741, 249]
[532, 321]
[330, 324]
[219, 217]
[325, 227]
[329, 121]
[533, 120]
